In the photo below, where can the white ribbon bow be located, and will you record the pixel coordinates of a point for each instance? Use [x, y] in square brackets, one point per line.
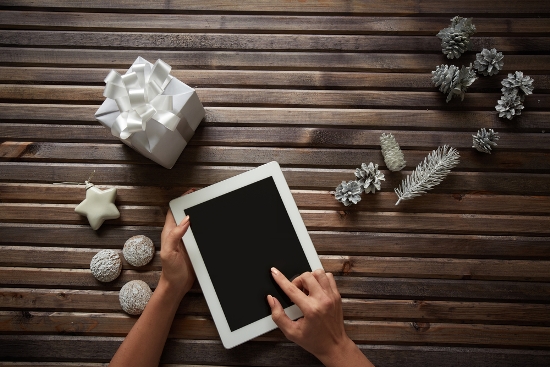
[138, 95]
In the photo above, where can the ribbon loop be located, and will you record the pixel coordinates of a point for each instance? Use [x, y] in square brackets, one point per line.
[138, 95]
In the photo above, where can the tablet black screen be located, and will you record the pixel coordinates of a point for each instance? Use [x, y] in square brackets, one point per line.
[241, 235]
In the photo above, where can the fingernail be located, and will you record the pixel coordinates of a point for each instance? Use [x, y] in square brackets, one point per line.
[270, 301]
[274, 271]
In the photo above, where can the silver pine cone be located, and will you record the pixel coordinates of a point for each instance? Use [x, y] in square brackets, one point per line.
[348, 193]
[455, 40]
[516, 81]
[393, 156]
[485, 140]
[509, 105]
[369, 177]
[453, 81]
[489, 62]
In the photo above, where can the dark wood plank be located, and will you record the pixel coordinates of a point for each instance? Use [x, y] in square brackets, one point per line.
[355, 287]
[408, 267]
[20, 299]
[290, 97]
[337, 6]
[470, 159]
[259, 42]
[305, 199]
[313, 219]
[341, 61]
[251, 116]
[259, 79]
[60, 348]
[283, 136]
[189, 327]
[326, 242]
[297, 178]
[261, 23]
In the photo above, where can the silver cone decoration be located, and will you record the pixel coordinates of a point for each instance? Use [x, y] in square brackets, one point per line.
[393, 156]
[455, 39]
[429, 173]
[369, 177]
[453, 81]
[517, 81]
[509, 105]
[485, 140]
[348, 193]
[489, 62]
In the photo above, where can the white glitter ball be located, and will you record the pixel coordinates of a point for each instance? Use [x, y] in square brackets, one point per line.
[138, 250]
[106, 265]
[134, 296]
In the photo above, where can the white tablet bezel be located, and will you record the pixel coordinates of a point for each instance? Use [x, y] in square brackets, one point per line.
[230, 338]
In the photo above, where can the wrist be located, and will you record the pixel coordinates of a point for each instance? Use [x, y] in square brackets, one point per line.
[339, 353]
[170, 292]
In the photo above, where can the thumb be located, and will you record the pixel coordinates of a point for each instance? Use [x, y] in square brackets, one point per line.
[279, 316]
[177, 233]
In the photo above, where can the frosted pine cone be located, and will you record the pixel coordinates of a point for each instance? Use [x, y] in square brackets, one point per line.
[348, 193]
[509, 105]
[369, 177]
[516, 81]
[455, 40]
[489, 62]
[453, 81]
[485, 140]
[393, 156]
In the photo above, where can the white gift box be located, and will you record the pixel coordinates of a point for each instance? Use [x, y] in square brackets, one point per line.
[151, 111]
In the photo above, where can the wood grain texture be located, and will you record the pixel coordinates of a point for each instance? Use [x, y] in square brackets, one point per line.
[338, 6]
[350, 118]
[256, 23]
[341, 61]
[24, 299]
[76, 348]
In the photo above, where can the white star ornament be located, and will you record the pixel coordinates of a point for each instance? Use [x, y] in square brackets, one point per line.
[98, 206]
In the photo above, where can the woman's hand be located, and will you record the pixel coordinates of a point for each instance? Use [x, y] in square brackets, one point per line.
[321, 331]
[177, 271]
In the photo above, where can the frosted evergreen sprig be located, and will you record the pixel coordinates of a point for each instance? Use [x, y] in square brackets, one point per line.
[485, 140]
[369, 177]
[393, 156]
[428, 173]
[348, 193]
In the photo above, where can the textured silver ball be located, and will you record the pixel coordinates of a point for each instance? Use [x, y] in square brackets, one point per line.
[134, 296]
[106, 265]
[138, 250]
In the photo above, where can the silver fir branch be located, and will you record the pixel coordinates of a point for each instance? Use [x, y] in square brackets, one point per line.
[429, 173]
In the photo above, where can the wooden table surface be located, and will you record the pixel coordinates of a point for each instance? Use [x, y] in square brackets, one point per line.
[457, 277]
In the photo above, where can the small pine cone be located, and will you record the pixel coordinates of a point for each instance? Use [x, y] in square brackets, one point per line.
[485, 140]
[466, 77]
[393, 156]
[348, 193]
[516, 81]
[455, 40]
[369, 177]
[509, 105]
[445, 77]
[489, 62]
[453, 81]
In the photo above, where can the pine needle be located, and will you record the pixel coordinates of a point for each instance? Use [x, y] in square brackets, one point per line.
[428, 173]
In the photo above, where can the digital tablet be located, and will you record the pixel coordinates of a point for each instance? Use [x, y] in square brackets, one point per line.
[240, 228]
